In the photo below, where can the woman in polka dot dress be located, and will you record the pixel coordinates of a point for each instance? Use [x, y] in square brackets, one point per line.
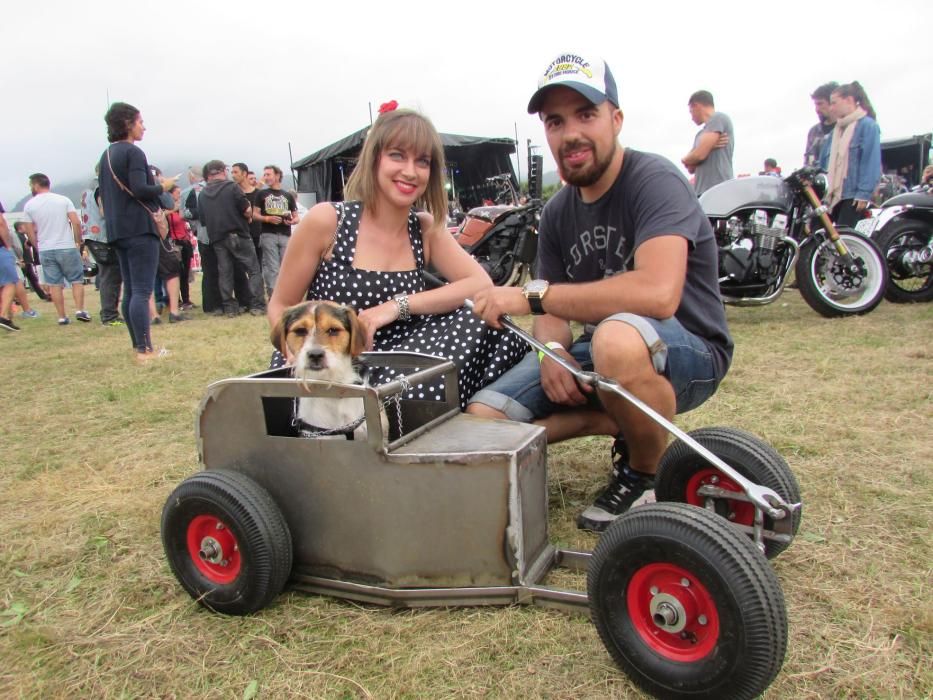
[370, 252]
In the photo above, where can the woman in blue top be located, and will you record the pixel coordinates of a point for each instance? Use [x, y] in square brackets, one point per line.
[852, 154]
[130, 228]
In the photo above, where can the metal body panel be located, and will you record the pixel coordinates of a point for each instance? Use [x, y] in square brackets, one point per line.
[728, 197]
[463, 504]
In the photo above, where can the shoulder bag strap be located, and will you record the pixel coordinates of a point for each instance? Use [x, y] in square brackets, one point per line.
[122, 186]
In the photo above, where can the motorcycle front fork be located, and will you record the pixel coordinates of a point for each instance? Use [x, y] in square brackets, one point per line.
[822, 212]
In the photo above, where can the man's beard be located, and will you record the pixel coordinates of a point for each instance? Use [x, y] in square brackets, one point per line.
[588, 176]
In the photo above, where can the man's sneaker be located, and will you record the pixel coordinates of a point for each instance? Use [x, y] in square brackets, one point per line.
[187, 306]
[83, 316]
[32, 313]
[8, 324]
[155, 321]
[176, 318]
[64, 321]
[625, 487]
[115, 323]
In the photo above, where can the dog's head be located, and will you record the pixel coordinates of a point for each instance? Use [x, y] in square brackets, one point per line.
[322, 337]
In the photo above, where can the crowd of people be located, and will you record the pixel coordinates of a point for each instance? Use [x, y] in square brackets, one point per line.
[143, 273]
[636, 266]
[845, 142]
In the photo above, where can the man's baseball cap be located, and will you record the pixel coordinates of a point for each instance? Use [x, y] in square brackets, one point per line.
[214, 167]
[588, 75]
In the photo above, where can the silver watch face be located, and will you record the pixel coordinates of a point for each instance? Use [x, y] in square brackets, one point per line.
[536, 287]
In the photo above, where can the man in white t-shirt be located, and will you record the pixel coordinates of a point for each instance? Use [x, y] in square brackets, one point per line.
[54, 229]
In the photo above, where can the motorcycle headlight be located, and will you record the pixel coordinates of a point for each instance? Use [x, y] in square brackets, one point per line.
[820, 185]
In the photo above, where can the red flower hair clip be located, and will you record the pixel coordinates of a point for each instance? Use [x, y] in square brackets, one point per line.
[388, 107]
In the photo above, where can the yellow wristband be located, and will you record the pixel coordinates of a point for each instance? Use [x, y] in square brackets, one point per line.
[553, 345]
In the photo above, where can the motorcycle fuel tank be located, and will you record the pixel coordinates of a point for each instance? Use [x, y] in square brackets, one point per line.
[726, 198]
[923, 200]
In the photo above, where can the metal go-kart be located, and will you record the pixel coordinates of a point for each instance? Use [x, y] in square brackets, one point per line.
[448, 509]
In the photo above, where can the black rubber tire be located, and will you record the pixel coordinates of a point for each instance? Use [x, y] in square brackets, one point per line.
[818, 256]
[748, 454]
[904, 286]
[255, 521]
[751, 616]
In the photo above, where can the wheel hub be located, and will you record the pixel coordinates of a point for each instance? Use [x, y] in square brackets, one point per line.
[211, 550]
[673, 612]
[668, 613]
[214, 549]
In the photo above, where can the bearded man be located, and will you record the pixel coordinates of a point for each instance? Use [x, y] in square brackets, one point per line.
[626, 250]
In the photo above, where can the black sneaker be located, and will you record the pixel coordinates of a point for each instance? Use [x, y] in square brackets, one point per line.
[625, 487]
[8, 324]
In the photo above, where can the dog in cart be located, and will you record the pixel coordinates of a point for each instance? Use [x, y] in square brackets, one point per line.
[680, 591]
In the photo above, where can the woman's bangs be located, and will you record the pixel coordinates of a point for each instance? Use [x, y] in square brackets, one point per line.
[412, 134]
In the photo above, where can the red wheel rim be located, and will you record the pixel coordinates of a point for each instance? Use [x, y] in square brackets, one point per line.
[741, 512]
[213, 549]
[673, 612]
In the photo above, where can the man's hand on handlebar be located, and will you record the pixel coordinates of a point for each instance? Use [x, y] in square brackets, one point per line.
[559, 384]
[494, 302]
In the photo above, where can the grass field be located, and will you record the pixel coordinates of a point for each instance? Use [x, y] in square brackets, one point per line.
[92, 445]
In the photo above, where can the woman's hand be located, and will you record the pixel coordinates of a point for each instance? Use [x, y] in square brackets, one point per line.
[375, 317]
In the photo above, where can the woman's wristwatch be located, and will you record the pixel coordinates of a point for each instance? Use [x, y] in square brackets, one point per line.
[404, 311]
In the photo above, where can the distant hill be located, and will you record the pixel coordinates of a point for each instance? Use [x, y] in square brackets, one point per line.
[72, 190]
[550, 178]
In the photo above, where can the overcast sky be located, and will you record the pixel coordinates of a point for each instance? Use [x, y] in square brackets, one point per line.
[241, 80]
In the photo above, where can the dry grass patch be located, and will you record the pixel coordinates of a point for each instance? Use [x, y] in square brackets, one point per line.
[92, 446]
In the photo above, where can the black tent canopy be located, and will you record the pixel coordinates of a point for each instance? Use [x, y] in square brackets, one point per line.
[470, 160]
[907, 157]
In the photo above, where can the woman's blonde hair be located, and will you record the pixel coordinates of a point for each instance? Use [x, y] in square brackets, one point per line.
[403, 128]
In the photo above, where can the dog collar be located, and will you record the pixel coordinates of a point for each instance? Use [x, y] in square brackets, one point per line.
[306, 430]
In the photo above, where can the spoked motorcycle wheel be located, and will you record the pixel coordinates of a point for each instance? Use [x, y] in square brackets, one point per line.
[833, 290]
[226, 542]
[908, 249]
[686, 605]
[682, 472]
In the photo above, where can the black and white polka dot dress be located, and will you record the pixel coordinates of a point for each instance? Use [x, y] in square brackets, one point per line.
[480, 353]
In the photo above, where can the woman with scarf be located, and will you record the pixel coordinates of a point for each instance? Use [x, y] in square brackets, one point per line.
[852, 154]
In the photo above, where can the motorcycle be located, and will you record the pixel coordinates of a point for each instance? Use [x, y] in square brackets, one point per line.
[765, 227]
[903, 229]
[502, 237]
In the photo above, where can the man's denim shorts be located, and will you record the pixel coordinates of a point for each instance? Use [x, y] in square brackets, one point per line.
[688, 366]
[61, 265]
[8, 274]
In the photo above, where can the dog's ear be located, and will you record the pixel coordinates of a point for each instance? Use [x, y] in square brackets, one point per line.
[280, 330]
[357, 337]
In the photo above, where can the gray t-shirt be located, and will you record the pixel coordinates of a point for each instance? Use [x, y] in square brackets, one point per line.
[718, 164]
[585, 242]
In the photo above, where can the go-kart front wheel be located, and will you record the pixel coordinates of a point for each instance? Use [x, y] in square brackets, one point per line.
[682, 472]
[686, 605]
[226, 542]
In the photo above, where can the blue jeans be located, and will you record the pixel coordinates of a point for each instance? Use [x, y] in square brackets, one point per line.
[139, 259]
[685, 360]
[273, 250]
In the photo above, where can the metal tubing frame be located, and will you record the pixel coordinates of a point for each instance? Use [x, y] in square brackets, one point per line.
[528, 594]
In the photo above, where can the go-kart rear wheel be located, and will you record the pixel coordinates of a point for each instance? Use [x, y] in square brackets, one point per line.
[682, 472]
[686, 605]
[226, 542]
